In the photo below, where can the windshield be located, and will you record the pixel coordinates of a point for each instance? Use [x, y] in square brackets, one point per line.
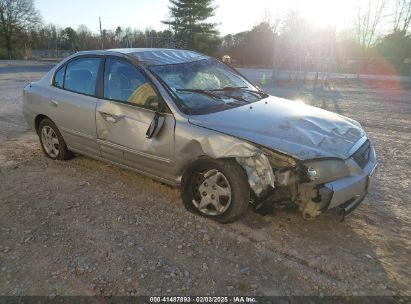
[207, 86]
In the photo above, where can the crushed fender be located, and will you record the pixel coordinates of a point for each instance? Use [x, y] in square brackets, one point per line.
[259, 171]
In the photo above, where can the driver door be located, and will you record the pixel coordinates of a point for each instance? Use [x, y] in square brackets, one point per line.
[123, 117]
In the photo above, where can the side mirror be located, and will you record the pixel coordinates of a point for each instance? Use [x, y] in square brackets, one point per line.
[155, 125]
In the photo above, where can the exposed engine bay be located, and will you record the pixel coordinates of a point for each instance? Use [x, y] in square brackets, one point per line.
[280, 179]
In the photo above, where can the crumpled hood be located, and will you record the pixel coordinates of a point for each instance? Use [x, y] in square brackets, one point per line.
[293, 128]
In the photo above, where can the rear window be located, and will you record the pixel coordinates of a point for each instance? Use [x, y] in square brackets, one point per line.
[81, 75]
[58, 78]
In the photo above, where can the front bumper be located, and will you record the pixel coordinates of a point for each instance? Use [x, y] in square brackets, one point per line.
[348, 192]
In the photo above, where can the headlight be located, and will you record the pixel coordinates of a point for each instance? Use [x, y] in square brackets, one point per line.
[323, 171]
[278, 160]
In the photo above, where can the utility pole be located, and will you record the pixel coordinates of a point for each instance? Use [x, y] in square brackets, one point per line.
[274, 72]
[101, 33]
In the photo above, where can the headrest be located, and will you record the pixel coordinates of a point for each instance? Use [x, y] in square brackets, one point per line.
[81, 75]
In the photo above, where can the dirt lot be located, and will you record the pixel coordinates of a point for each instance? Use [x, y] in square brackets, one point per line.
[83, 227]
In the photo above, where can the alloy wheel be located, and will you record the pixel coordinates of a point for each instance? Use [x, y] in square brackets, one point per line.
[212, 193]
[50, 141]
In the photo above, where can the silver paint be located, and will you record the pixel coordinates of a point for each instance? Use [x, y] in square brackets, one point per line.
[300, 131]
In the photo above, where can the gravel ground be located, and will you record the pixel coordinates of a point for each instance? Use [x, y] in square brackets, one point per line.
[83, 227]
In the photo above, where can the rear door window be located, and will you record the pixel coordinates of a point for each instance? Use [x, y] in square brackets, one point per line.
[81, 75]
[58, 78]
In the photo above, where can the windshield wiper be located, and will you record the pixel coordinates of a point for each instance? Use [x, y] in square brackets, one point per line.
[200, 91]
[260, 93]
[228, 89]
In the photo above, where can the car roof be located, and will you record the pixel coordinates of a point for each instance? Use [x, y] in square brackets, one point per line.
[152, 56]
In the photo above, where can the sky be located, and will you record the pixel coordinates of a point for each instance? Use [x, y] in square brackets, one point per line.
[232, 16]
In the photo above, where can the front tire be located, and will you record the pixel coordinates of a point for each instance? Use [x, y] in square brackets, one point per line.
[217, 189]
[52, 143]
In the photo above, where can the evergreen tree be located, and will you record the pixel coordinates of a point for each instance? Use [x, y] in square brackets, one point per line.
[188, 20]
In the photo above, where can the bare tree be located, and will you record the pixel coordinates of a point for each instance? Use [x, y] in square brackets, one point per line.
[402, 15]
[84, 37]
[367, 20]
[16, 15]
[118, 33]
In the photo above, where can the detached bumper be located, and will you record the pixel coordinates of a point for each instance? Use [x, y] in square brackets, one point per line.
[349, 192]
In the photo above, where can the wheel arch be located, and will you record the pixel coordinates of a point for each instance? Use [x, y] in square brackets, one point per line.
[38, 120]
[189, 165]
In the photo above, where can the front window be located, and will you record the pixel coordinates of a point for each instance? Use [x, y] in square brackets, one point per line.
[207, 86]
[123, 82]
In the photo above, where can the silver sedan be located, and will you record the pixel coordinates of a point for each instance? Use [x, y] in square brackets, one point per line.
[191, 121]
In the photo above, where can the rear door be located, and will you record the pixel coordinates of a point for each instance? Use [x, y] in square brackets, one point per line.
[123, 117]
[75, 101]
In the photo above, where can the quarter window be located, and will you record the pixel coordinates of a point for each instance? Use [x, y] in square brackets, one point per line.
[81, 75]
[58, 78]
[124, 82]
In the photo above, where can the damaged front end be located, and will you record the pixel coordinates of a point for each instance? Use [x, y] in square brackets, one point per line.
[259, 172]
[316, 159]
[276, 178]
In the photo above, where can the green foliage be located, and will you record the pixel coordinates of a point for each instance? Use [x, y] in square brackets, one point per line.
[3, 52]
[395, 48]
[70, 39]
[208, 44]
[188, 20]
[253, 47]
[396, 44]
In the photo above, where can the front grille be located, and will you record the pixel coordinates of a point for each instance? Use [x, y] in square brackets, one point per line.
[362, 155]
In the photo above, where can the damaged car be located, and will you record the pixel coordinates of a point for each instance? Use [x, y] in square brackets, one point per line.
[191, 121]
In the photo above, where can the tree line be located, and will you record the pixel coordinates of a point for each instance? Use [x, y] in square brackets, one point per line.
[291, 42]
[285, 42]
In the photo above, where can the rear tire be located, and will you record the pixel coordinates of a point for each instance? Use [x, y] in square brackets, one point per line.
[216, 189]
[52, 143]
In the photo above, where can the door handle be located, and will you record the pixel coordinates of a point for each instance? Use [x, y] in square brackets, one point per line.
[53, 102]
[111, 117]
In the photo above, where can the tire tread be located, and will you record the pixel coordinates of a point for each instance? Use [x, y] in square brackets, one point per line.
[239, 183]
